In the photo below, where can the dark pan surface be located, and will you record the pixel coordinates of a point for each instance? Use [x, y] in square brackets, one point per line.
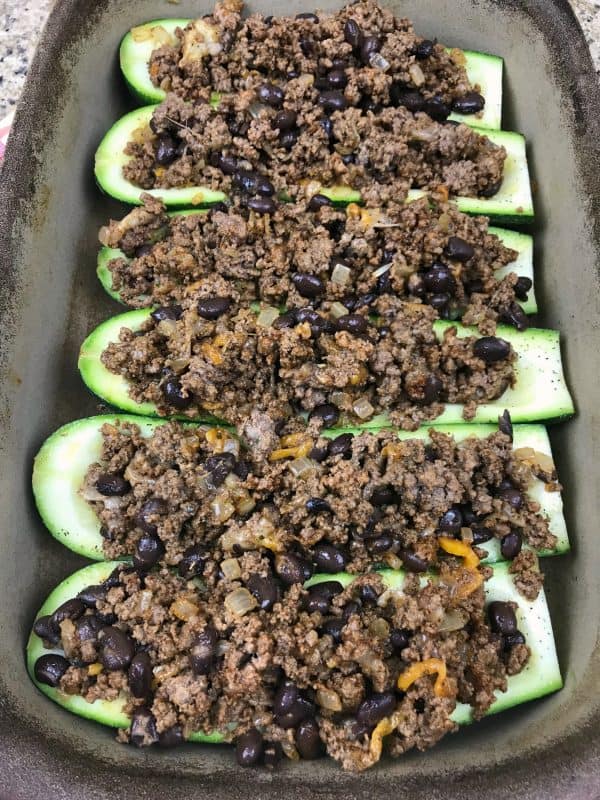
[49, 299]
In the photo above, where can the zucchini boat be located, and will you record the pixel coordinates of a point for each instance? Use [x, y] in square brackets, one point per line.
[512, 203]
[60, 467]
[137, 46]
[540, 391]
[522, 265]
[540, 677]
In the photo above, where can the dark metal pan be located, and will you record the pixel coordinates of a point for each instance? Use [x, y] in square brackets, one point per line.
[50, 211]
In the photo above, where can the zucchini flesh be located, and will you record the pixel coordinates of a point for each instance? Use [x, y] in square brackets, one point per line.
[540, 391]
[63, 460]
[540, 677]
[134, 56]
[512, 203]
[522, 265]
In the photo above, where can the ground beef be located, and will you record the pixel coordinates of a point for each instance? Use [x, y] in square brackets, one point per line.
[378, 501]
[209, 658]
[165, 257]
[364, 366]
[283, 47]
[236, 149]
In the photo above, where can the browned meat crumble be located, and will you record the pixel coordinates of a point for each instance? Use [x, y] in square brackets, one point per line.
[330, 504]
[282, 670]
[424, 251]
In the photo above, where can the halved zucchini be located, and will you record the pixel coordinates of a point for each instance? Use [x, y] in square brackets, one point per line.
[63, 460]
[522, 265]
[540, 677]
[137, 46]
[512, 203]
[540, 392]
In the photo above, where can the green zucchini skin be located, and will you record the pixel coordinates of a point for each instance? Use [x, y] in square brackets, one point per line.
[521, 242]
[512, 204]
[482, 68]
[540, 677]
[540, 392]
[63, 460]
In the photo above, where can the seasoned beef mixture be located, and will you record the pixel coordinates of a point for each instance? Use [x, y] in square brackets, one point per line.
[317, 503]
[281, 670]
[425, 251]
[226, 360]
[361, 50]
[237, 148]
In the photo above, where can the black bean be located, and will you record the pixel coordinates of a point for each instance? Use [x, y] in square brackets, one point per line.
[514, 315]
[317, 201]
[375, 707]
[227, 164]
[341, 445]
[513, 497]
[285, 120]
[242, 469]
[522, 286]
[50, 668]
[202, 651]
[171, 737]
[271, 95]
[149, 511]
[337, 79]
[219, 466]
[331, 101]
[167, 312]
[192, 562]
[287, 320]
[117, 648]
[491, 349]
[470, 103]
[491, 190]
[166, 150]
[139, 675]
[400, 638]
[262, 205]
[91, 594]
[513, 639]
[285, 698]
[424, 49]
[333, 627]
[384, 284]
[327, 126]
[307, 739]
[380, 544]
[469, 515]
[141, 251]
[505, 424]
[44, 628]
[474, 287]
[143, 731]
[316, 505]
[412, 562]
[502, 617]
[384, 495]
[327, 589]
[253, 183]
[265, 590]
[148, 552]
[307, 46]
[451, 522]
[437, 108]
[432, 389]
[439, 301]
[431, 453]
[368, 594]
[349, 610]
[439, 279]
[249, 748]
[510, 545]
[326, 414]
[459, 249]
[318, 454]
[316, 602]
[411, 99]
[349, 158]
[88, 627]
[375, 516]
[481, 533]
[213, 307]
[115, 577]
[175, 396]
[329, 558]
[301, 709]
[308, 16]
[112, 485]
[70, 609]
[353, 33]
[353, 323]
[292, 569]
[370, 45]
[308, 285]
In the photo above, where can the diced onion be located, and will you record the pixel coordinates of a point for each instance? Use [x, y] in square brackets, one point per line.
[300, 467]
[256, 108]
[245, 506]
[267, 316]
[423, 134]
[103, 235]
[443, 222]
[183, 609]
[416, 73]
[379, 628]
[382, 269]
[362, 408]
[239, 602]
[340, 275]
[222, 509]
[377, 61]
[230, 567]
[328, 699]
[178, 364]
[167, 327]
[453, 620]
[338, 310]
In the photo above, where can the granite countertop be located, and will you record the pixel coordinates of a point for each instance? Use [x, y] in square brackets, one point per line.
[21, 23]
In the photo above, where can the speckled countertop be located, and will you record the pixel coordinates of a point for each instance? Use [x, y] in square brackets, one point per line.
[21, 23]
